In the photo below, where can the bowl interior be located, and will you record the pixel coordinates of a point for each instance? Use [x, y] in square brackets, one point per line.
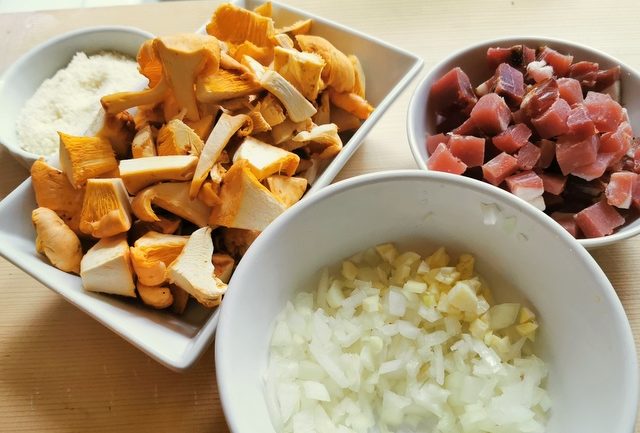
[421, 120]
[24, 77]
[583, 327]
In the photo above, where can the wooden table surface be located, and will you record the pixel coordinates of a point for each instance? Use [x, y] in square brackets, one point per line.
[62, 371]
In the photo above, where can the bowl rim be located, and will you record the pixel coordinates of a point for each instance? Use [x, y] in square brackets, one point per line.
[18, 64]
[224, 332]
[412, 121]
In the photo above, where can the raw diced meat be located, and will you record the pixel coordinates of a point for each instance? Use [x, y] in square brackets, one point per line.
[585, 72]
[635, 197]
[567, 221]
[579, 124]
[571, 153]
[468, 127]
[618, 142]
[491, 114]
[517, 56]
[560, 62]
[547, 153]
[509, 83]
[539, 71]
[570, 90]
[553, 183]
[606, 78]
[487, 87]
[538, 202]
[619, 191]
[526, 185]
[595, 169]
[434, 140]
[539, 98]
[452, 92]
[513, 138]
[598, 220]
[553, 122]
[528, 156]
[468, 149]
[443, 160]
[604, 111]
[499, 168]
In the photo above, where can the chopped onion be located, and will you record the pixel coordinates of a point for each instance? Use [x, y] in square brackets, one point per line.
[396, 342]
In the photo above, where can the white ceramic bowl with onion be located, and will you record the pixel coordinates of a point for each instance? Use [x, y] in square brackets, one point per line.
[585, 337]
[421, 118]
[21, 80]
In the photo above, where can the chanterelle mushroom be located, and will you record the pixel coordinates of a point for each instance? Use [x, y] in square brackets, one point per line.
[54, 191]
[193, 270]
[246, 203]
[152, 253]
[82, 158]
[106, 267]
[265, 159]
[182, 58]
[141, 172]
[106, 210]
[56, 241]
[173, 197]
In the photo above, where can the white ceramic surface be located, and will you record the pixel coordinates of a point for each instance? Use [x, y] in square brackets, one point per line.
[22, 78]
[178, 341]
[584, 334]
[421, 119]
[388, 70]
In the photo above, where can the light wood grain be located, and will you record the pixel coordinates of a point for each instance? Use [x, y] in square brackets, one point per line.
[62, 371]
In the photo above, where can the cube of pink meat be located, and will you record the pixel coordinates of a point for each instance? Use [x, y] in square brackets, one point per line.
[570, 90]
[434, 140]
[513, 138]
[443, 160]
[572, 153]
[604, 111]
[567, 221]
[635, 195]
[491, 114]
[468, 127]
[509, 83]
[599, 219]
[585, 72]
[553, 183]
[606, 78]
[468, 149]
[452, 92]
[499, 168]
[553, 122]
[528, 156]
[618, 142]
[579, 124]
[560, 62]
[526, 185]
[619, 191]
[595, 169]
[539, 98]
[547, 153]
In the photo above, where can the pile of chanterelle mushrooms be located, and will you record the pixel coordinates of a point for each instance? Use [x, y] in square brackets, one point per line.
[232, 128]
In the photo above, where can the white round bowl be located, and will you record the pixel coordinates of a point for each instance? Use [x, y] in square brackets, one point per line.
[421, 119]
[584, 334]
[22, 78]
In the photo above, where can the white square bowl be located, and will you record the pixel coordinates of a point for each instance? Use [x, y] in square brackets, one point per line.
[178, 341]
